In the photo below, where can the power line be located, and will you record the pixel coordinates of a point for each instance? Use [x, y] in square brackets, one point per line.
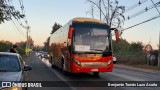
[27, 26]
[136, 5]
[23, 13]
[96, 6]
[142, 22]
[156, 7]
[107, 10]
[144, 10]
[18, 28]
[17, 33]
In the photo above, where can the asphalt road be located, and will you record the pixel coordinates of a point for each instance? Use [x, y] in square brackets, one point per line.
[42, 71]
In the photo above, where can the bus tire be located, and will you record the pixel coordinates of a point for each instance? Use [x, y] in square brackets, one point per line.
[114, 62]
[96, 74]
[52, 63]
[63, 67]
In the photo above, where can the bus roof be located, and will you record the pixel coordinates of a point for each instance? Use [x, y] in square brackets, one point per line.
[81, 19]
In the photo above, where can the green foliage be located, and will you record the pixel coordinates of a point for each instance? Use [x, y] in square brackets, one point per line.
[122, 47]
[21, 47]
[129, 53]
[55, 27]
[136, 47]
[38, 48]
[5, 46]
[7, 12]
[46, 45]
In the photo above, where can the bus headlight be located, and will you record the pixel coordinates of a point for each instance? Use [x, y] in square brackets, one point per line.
[76, 61]
[109, 62]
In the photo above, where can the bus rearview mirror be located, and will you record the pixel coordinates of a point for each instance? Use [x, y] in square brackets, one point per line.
[70, 33]
[117, 35]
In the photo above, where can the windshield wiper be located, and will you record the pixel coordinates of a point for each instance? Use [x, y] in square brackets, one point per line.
[107, 53]
[97, 50]
[3, 70]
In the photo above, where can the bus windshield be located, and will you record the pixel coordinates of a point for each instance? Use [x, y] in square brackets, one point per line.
[90, 38]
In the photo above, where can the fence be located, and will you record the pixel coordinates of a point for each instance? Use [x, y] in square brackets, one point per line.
[131, 59]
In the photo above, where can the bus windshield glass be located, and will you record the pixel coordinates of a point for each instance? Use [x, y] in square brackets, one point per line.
[90, 38]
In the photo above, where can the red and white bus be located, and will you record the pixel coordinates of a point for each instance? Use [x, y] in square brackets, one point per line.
[82, 45]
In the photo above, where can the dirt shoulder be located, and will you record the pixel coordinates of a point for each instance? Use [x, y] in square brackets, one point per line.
[144, 68]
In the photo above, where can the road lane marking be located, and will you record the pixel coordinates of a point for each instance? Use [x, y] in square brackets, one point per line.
[45, 61]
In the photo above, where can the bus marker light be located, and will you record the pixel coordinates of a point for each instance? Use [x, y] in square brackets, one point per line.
[94, 69]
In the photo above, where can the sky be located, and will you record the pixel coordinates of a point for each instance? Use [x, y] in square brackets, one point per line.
[42, 14]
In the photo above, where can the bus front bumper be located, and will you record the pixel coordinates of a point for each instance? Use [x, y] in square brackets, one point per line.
[92, 68]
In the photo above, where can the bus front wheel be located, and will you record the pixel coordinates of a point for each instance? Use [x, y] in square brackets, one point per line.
[52, 62]
[63, 68]
[96, 74]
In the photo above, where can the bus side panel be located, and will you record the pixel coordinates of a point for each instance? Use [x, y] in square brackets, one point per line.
[57, 41]
[65, 47]
[58, 46]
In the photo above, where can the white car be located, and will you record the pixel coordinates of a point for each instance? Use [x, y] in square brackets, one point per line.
[13, 68]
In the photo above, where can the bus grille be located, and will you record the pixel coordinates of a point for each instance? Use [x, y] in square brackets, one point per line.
[93, 64]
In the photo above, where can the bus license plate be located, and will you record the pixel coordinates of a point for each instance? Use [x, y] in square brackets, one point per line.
[94, 69]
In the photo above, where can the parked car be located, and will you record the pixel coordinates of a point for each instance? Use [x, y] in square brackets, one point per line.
[39, 53]
[44, 55]
[12, 68]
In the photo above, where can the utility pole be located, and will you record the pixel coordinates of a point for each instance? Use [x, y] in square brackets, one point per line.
[26, 35]
[100, 9]
[29, 38]
[159, 36]
[159, 51]
[108, 12]
[27, 42]
[92, 11]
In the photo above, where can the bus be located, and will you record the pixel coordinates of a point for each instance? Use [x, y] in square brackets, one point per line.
[82, 45]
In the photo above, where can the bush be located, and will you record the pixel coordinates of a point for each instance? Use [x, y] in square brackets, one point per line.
[5, 46]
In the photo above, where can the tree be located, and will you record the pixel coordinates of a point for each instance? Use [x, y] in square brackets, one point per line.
[5, 46]
[46, 44]
[37, 48]
[21, 47]
[55, 27]
[121, 47]
[136, 47]
[7, 12]
[112, 12]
